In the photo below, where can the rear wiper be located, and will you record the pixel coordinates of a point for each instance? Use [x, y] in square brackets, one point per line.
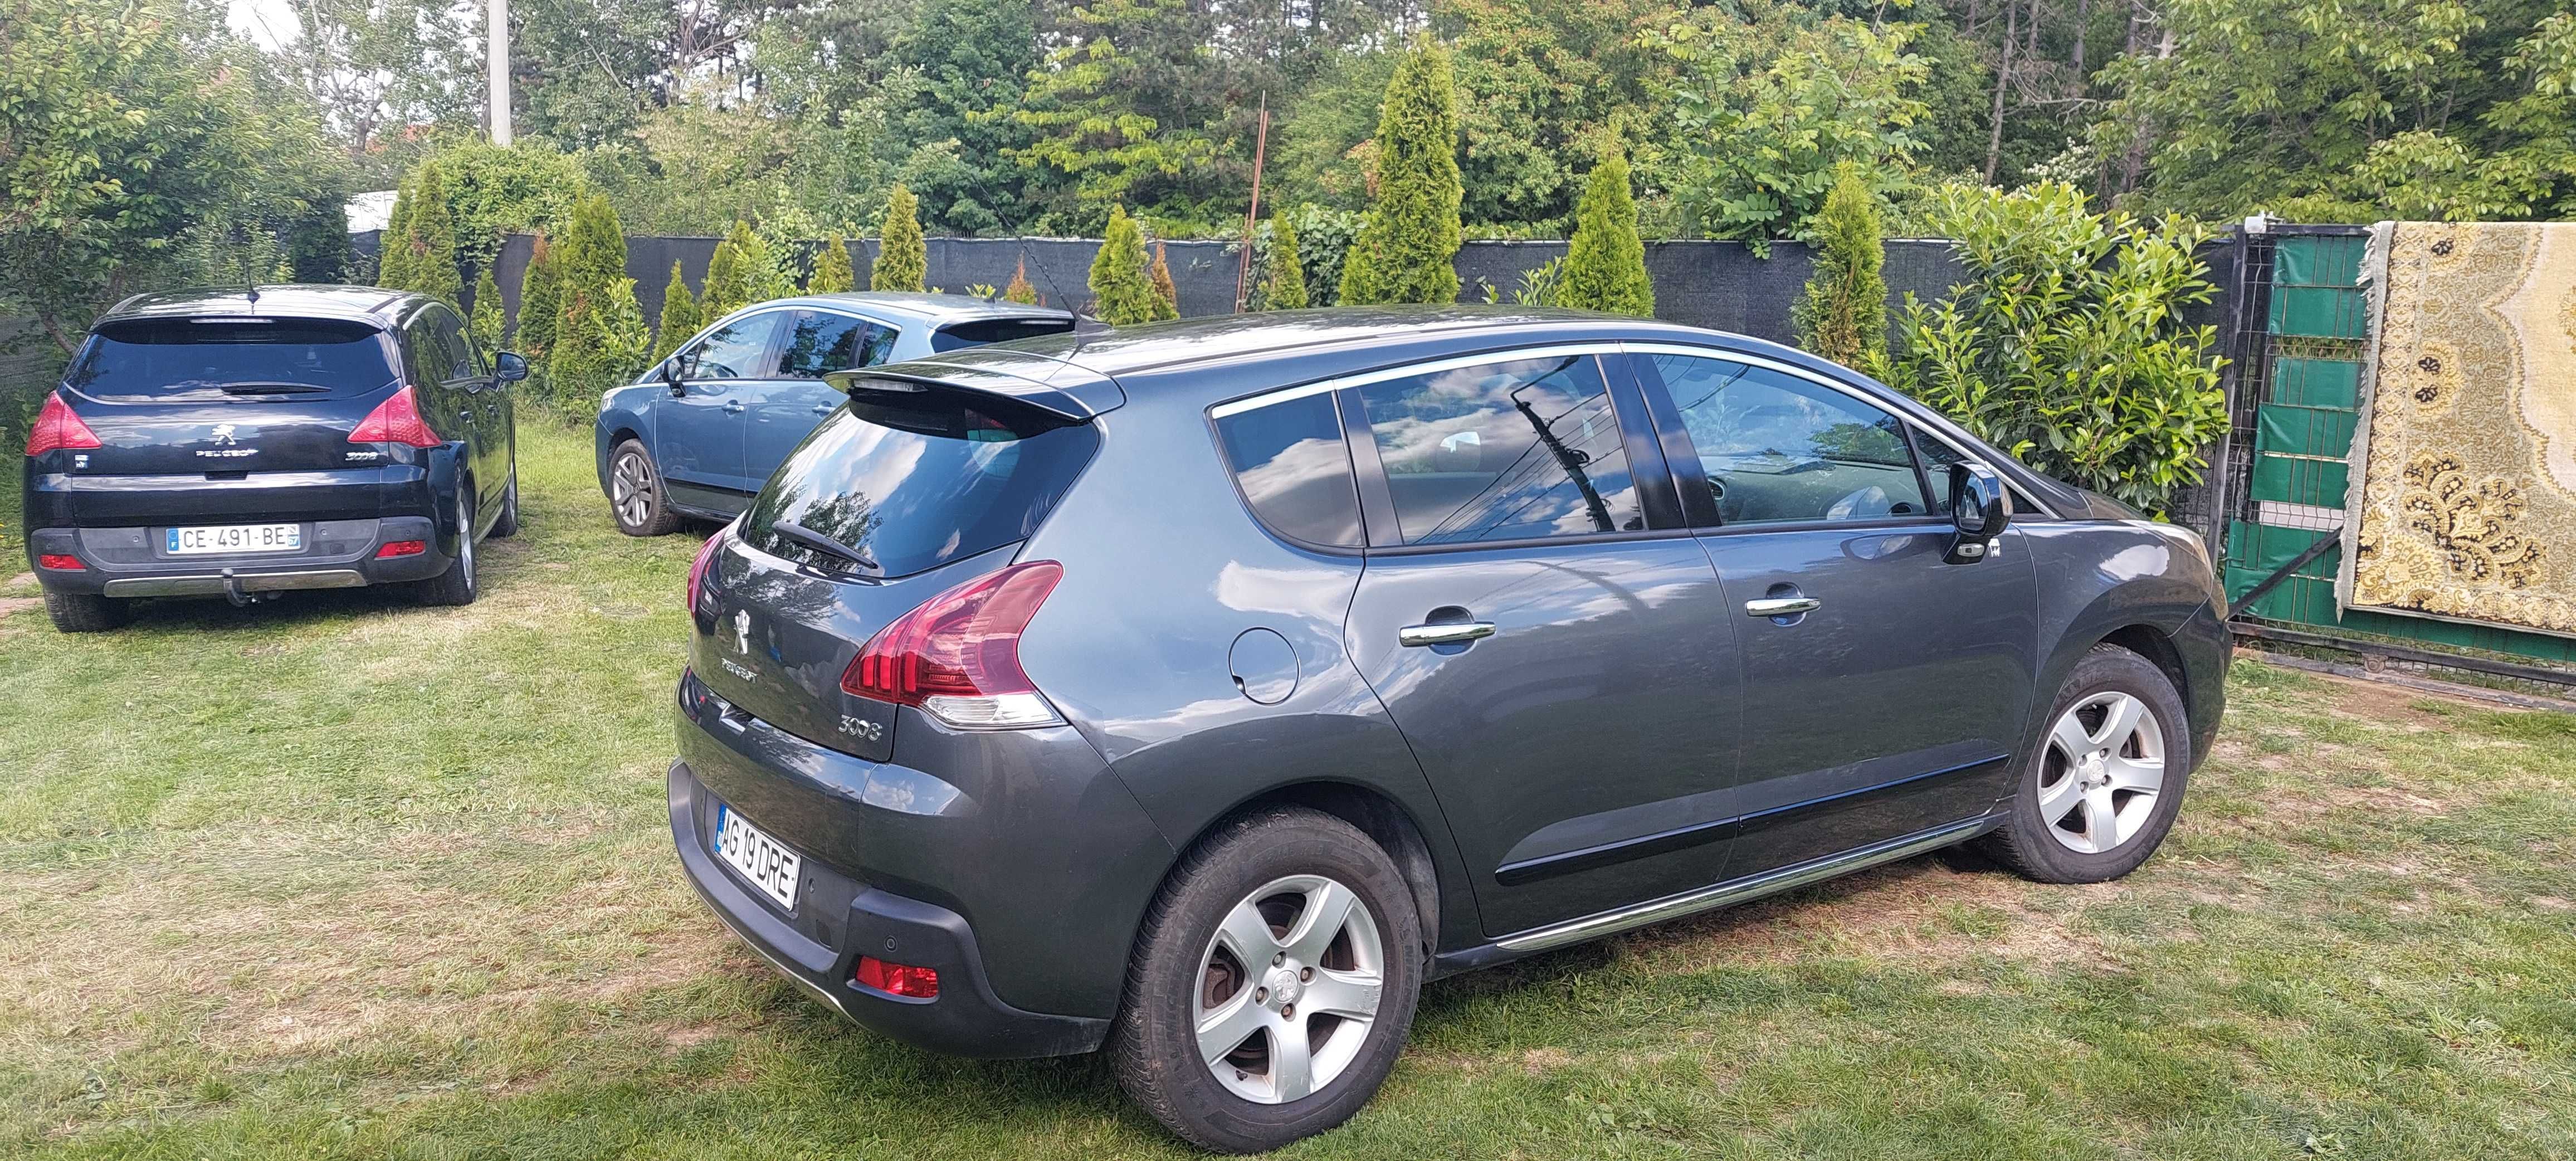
[269, 388]
[822, 544]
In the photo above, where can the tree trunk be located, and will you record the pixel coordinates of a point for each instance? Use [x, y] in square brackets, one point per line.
[2003, 78]
[2083, 25]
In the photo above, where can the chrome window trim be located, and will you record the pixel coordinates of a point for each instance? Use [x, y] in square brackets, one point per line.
[1594, 348]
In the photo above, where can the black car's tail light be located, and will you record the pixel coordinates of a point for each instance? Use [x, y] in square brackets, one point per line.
[59, 562]
[957, 657]
[396, 420]
[698, 567]
[57, 427]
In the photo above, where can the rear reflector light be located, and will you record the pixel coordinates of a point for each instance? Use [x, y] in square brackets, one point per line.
[396, 420]
[62, 561]
[958, 656]
[56, 426]
[898, 979]
[402, 548]
[698, 568]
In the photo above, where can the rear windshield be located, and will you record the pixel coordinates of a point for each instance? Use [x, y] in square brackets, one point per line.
[915, 478]
[995, 330]
[178, 358]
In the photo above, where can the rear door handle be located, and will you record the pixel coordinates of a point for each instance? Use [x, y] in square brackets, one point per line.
[1445, 633]
[823, 408]
[1781, 606]
[733, 407]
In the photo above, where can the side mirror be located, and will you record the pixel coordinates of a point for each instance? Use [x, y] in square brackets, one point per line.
[1980, 507]
[670, 373]
[508, 367]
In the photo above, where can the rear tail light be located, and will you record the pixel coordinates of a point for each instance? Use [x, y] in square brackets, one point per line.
[394, 548]
[897, 979]
[698, 567]
[56, 426]
[958, 656]
[61, 561]
[396, 420]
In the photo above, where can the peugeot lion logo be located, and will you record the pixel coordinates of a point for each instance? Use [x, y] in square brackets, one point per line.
[742, 632]
[223, 433]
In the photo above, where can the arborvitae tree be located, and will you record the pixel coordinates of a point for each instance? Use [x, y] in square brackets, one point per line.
[1167, 297]
[1122, 293]
[832, 273]
[604, 344]
[1019, 290]
[484, 321]
[1405, 253]
[1843, 315]
[591, 255]
[430, 236]
[679, 316]
[540, 302]
[1605, 264]
[903, 259]
[393, 259]
[728, 285]
[1283, 282]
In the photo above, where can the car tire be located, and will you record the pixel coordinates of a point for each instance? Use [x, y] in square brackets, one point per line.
[637, 499]
[459, 584]
[2116, 733]
[1261, 878]
[507, 525]
[84, 612]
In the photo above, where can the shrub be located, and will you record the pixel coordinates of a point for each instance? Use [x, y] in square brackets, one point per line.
[1167, 297]
[680, 317]
[393, 259]
[1122, 294]
[1019, 290]
[317, 244]
[1283, 280]
[420, 242]
[540, 302]
[832, 272]
[591, 255]
[484, 321]
[1843, 315]
[1407, 251]
[728, 285]
[604, 344]
[2065, 345]
[903, 259]
[497, 190]
[1324, 239]
[1605, 264]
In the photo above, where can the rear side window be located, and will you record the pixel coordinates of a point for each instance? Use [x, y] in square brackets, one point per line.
[821, 342]
[995, 330]
[916, 478]
[180, 358]
[1294, 469]
[1503, 451]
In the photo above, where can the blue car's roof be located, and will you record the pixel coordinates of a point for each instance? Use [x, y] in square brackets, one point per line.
[933, 308]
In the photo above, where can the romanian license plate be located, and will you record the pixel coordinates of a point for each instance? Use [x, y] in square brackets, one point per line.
[764, 860]
[233, 538]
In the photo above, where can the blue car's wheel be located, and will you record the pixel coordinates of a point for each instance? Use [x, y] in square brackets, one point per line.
[635, 495]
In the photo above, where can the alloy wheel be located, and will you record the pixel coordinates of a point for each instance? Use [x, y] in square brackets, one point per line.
[1288, 988]
[630, 489]
[2104, 768]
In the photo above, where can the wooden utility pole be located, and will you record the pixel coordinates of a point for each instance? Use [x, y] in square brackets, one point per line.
[1260, 147]
[496, 18]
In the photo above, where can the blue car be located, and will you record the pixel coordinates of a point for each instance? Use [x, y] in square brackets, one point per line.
[699, 432]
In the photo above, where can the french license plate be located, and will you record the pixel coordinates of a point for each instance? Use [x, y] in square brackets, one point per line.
[233, 538]
[764, 860]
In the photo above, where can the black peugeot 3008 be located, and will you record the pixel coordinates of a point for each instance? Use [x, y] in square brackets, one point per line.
[243, 442]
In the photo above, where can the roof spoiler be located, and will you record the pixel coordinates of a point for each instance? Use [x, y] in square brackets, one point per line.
[1081, 401]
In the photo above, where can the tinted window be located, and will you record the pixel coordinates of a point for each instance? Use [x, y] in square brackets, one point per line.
[995, 330]
[1290, 461]
[1502, 451]
[821, 342]
[737, 350]
[450, 332]
[918, 479]
[1777, 447]
[431, 361]
[177, 358]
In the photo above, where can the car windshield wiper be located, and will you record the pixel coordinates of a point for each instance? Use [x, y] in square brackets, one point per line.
[822, 544]
[269, 388]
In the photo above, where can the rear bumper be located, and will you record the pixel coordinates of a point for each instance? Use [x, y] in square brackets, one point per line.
[965, 1019]
[129, 562]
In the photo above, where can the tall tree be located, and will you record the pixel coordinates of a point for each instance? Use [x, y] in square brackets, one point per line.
[484, 321]
[1283, 279]
[903, 257]
[832, 272]
[955, 76]
[1843, 314]
[679, 320]
[393, 260]
[1407, 251]
[375, 66]
[540, 302]
[1167, 297]
[1605, 264]
[1130, 110]
[428, 239]
[1122, 293]
[1545, 84]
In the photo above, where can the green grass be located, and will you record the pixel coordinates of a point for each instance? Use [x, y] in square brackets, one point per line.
[340, 877]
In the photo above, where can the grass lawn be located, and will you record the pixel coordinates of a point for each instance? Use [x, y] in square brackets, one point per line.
[341, 877]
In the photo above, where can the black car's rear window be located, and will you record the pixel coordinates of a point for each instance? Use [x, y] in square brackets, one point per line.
[995, 330]
[177, 358]
[916, 477]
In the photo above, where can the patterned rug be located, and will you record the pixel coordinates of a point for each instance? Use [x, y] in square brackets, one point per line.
[2464, 498]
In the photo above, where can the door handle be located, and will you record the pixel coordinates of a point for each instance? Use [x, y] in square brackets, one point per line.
[1445, 633]
[733, 407]
[1781, 606]
[823, 408]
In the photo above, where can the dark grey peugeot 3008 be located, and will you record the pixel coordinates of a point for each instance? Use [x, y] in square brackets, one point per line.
[1199, 691]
